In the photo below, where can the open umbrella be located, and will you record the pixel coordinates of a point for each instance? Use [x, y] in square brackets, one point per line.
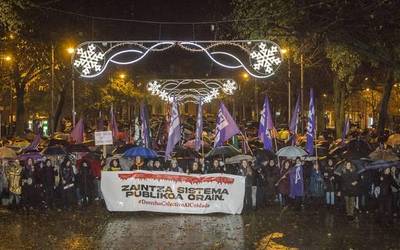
[140, 151]
[386, 155]
[263, 155]
[34, 155]
[223, 151]
[7, 153]
[54, 150]
[393, 140]
[78, 148]
[238, 159]
[359, 166]
[186, 153]
[380, 164]
[291, 152]
[54, 142]
[121, 149]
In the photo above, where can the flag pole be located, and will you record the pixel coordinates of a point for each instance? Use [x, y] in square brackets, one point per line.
[247, 143]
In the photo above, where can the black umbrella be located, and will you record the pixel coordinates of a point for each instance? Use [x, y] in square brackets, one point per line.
[223, 152]
[54, 150]
[263, 155]
[54, 142]
[121, 149]
[380, 164]
[359, 166]
[78, 148]
[186, 153]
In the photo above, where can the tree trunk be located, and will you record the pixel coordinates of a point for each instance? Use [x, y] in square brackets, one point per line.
[59, 108]
[20, 111]
[383, 114]
[339, 103]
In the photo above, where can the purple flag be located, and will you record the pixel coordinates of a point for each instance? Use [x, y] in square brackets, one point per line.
[294, 121]
[114, 125]
[34, 144]
[346, 129]
[266, 125]
[226, 126]
[145, 125]
[174, 134]
[199, 127]
[311, 124]
[77, 132]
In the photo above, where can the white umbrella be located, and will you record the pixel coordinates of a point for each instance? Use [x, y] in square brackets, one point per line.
[238, 158]
[291, 152]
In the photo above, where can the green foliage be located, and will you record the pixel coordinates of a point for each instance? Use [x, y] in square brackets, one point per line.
[10, 20]
[343, 61]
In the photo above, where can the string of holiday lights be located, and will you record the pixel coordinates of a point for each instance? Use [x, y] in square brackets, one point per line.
[191, 90]
[259, 58]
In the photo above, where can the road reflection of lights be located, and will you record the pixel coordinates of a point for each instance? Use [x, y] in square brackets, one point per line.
[152, 231]
[268, 242]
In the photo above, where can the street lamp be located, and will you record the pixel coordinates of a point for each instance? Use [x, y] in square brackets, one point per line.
[286, 52]
[71, 51]
[122, 75]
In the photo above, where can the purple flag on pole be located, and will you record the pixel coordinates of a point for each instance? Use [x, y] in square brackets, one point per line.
[114, 125]
[346, 129]
[311, 124]
[226, 126]
[266, 126]
[294, 121]
[145, 125]
[199, 127]
[35, 143]
[77, 132]
[174, 134]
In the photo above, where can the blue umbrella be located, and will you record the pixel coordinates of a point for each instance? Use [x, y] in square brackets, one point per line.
[140, 151]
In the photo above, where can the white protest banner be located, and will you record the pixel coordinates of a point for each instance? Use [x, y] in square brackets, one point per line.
[103, 138]
[172, 192]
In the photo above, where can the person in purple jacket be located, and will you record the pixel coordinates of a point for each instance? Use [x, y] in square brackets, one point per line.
[296, 183]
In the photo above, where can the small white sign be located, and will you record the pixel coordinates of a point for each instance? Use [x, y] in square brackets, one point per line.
[103, 138]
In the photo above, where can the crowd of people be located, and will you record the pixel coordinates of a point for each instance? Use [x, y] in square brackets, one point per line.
[294, 183]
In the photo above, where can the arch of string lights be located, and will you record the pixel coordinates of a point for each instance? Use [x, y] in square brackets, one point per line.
[259, 58]
[191, 90]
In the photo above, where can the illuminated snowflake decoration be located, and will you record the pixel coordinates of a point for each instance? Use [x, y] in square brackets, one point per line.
[229, 87]
[191, 90]
[89, 60]
[265, 59]
[154, 87]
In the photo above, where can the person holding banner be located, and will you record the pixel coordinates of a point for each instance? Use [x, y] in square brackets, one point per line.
[138, 164]
[174, 167]
[157, 166]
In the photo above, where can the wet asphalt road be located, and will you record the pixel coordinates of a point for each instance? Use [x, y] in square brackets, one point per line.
[269, 228]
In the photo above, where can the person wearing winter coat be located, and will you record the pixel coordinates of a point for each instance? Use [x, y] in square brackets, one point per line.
[260, 183]
[349, 188]
[174, 167]
[48, 177]
[115, 165]
[86, 183]
[283, 184]
[330, 183]
[316, 187]
[138, 164]
[395, 190]
[157, 166]
[194, 169]
[14, 182]
[28, 178]
[3, 178]
[248, 197]
[272, 176]
[67, 183]
[385, 194]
